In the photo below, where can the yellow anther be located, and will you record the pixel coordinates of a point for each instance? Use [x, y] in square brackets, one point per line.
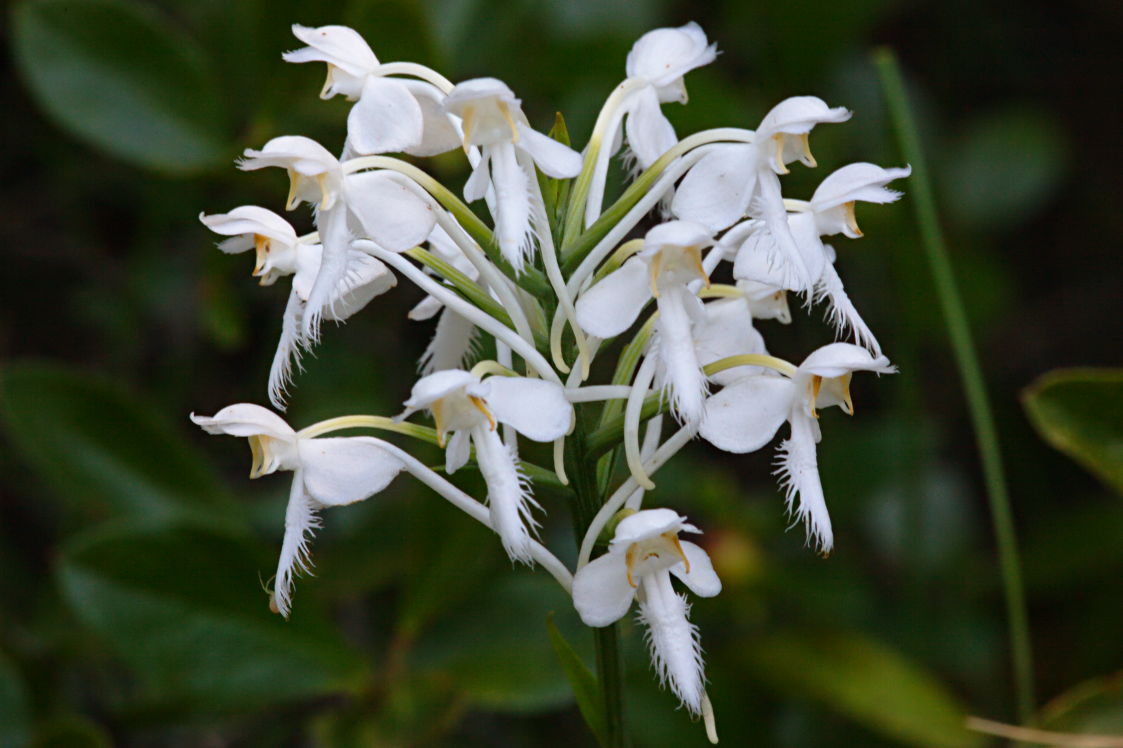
[322, 181]
[292, 201]
[672, 538]
[261, 247]
[259, 449]
[778, 141]
[655, 268]
[695, 254]
[805, 145]
[510, 121]
[816, 385]
[629, 562]
[468, 122]
[437, 409]
[324, 92]
[481, 406]
[851, 219]
[844, 385]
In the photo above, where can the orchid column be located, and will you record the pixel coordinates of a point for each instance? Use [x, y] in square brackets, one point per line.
[672, 308]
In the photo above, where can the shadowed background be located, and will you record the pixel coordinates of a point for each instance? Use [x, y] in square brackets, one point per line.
[134, 548]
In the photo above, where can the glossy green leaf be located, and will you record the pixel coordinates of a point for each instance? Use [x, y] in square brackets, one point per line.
[14, 729]
[865, 681]
[103, 449]
[584, 684]
[1094, 707]
[122, 78]
[1080, 412]
[183, 605]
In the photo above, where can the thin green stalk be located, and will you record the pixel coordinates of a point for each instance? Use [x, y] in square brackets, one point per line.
[610, 665]
[970, 375]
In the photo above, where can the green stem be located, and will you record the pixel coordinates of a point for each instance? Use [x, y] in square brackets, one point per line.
[610, 667]
[970, 374]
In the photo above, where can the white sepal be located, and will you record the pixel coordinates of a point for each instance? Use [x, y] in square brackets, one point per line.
[537, 409]
[717, 190]
[601, 593]
[555, 159]
[650, 133]
[389, 212]
[745, 415]
[612, 305]
[386, 119]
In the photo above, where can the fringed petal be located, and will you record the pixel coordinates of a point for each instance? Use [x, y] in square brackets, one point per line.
[798, 470]
[842, 313]
[452, 345]
[300, 524]
[288, 352]
[508, 494]
[674, 642]
[680, 361]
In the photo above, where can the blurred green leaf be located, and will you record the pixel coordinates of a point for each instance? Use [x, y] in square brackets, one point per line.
[71, 731]
[1007, 164]
[183, 605]
[864, 680]
[1094, 707]
[104, 449]
[119, 76]
[14, 730]
[581, 680]
[1080, 412]
[490, 651]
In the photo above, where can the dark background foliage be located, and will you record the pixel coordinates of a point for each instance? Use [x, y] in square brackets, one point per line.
[133, 547]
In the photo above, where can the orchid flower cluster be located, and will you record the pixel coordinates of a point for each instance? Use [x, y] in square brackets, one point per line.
[552, 283]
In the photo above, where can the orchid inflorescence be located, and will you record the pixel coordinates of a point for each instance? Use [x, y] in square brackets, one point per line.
[553, 281]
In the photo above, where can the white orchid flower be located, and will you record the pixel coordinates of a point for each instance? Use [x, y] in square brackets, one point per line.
[661, 58]
[281, 253]
[382, 206]
[469, 409]
[326, 472]
[645, 551]
[745, 415]
[831, 211]
[664, 269]
[390, 114]
[492, 119]
[739, 179]
[725, 330]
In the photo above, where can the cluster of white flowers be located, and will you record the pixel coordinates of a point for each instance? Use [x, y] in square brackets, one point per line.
[555, 261]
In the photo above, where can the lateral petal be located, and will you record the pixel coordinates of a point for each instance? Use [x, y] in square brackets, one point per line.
[612, 305]
[555, 159]
[701, 579]
[601, 593]
[744, 416]
[717, 190]
[537, 409]
[650, 133]
[343, 470]
[390, 213]
[386, 118]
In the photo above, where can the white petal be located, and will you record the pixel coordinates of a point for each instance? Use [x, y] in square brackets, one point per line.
[245, 419]
[508, 494]
[425, 309]
[512, 204]
[759, 259]
[300, 522]
[479, 180]
[650, 133]
[770, 204]
[680, 361]
[391, 213]
[365, 278]
[295, 152]
[717, 190]
[701, 579]
[648, 524]
[798, 115]
[555, 159]
[386, 118]
[727, 330]
[431, 388]
[537, 409]
[612, 305]
[288, 351]
[250, 219]
[862, 182]
[805, 231]
[341, 46]
[437, 135]
[601, 593]
[798, 470]
[676, 651]
[457, 450]
[663, 55]
[837, 359]
[336, 245]
[744, 416]
[452, 344]
[343, 470]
